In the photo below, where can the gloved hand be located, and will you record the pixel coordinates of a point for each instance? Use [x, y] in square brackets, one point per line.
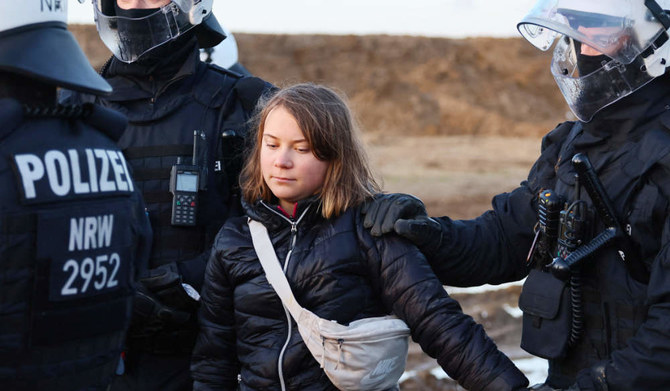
[165, 283]
[591, 379]
[384, 210]
[161, 302]
[161, 277]
[151, 313]
[407, 216]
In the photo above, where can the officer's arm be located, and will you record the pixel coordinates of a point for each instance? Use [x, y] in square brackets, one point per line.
[490, 249]
[214, 364]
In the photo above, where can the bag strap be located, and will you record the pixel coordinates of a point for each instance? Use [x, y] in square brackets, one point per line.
[273, 271]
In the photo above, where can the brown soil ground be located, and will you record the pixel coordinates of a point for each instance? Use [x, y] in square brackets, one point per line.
[452, 121]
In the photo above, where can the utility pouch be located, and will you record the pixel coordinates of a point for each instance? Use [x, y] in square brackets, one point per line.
[545, 302]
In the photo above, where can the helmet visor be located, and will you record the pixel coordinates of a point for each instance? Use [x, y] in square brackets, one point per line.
[620, 29]
[587, 94]
[130, 38]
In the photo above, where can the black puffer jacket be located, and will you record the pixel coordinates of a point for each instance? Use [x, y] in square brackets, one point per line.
[338, 271]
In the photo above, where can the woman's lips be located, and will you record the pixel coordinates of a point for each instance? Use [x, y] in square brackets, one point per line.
[282, 179]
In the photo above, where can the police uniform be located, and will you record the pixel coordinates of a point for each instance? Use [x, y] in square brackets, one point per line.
[74, 232]
[623, 343]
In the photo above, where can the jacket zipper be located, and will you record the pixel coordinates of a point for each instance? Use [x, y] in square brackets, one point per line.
[294, 236]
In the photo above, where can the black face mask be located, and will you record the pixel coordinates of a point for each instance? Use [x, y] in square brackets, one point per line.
[588, 64]
[159, 56]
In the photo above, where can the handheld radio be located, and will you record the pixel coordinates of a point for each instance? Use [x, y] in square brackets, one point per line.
[184, 186]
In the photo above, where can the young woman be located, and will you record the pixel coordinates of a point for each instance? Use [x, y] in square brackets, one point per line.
[305, 181]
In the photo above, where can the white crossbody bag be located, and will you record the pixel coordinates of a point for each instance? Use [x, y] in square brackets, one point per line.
[370, 354]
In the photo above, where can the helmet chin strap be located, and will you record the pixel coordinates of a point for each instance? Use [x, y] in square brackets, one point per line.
[658, 13]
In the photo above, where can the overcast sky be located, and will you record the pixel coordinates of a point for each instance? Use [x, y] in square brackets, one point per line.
[443, 18]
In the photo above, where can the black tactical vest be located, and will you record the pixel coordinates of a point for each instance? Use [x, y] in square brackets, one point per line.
[73, 237]
[613, 302]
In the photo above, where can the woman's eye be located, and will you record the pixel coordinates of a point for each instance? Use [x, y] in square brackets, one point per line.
[270, 145]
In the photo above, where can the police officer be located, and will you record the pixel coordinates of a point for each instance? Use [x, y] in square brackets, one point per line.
[187, 120]
[73, 232]
[590, 227]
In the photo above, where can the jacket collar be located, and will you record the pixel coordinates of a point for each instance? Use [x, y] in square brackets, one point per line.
[612, 135]
[269, 213]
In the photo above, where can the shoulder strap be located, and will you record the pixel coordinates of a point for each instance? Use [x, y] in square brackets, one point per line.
[249, 90]
[273, 272]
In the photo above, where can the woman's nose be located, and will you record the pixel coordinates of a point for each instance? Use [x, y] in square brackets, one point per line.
[283, 160]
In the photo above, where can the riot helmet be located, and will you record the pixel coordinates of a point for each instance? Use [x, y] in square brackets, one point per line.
[131, 33]
[35, 43]
[605, 49]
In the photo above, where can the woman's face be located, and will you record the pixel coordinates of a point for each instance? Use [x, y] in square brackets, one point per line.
[289, 167]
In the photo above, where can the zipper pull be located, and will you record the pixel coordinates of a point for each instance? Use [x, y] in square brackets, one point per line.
[294, 235]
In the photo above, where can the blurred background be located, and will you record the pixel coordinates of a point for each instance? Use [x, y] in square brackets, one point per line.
[451, 101]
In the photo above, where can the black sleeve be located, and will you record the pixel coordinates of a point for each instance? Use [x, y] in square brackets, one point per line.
[214, 364]
[491, 248]
[412, 291]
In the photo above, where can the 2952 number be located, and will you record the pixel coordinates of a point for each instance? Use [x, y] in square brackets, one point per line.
[97, 275]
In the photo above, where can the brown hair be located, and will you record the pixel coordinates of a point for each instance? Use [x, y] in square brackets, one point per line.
[328, 125]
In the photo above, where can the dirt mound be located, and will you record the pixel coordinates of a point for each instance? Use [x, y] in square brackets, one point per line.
[407, 84]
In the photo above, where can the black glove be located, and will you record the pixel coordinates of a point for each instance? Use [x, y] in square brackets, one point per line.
[161, 302]
[424, 232]
[165, 283]
[407, 216]
[152, 314]
[383, 210]
[591, 379]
